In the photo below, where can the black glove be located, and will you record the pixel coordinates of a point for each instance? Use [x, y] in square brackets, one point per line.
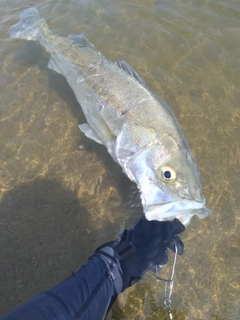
[144, 246]
[152, 238]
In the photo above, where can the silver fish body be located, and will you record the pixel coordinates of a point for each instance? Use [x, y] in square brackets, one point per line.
[137, 127]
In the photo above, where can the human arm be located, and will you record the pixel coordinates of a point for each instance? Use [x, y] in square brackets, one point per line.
[89, 292]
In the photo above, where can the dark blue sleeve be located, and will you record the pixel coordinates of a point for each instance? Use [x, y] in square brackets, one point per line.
[86, 295]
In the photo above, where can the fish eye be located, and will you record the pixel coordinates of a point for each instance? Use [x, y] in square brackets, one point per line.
[168, 173]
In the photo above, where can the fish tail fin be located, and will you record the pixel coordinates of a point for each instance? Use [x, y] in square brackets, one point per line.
[28, 25]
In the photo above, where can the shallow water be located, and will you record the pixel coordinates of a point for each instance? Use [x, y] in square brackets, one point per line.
[59, 201]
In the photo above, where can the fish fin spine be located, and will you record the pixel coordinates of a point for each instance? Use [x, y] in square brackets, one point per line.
[129, 70]
[80, 40]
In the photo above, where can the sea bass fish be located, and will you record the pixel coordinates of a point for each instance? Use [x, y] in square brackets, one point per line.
[135, 125]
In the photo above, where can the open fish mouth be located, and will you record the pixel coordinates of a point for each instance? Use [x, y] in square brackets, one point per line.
[183, 210]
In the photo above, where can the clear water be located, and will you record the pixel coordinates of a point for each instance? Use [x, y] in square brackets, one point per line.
[59, 201]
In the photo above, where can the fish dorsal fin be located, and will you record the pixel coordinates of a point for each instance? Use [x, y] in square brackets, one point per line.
[129, 70]
[80, 40]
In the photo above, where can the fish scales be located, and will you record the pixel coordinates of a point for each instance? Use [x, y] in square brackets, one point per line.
[105, 77]
[137, 127]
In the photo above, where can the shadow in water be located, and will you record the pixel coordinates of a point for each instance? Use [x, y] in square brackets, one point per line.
[59, 84]
[45, 234]
[30, 54]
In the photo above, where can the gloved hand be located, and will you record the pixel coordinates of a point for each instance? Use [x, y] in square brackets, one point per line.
[144, 246]
[152, 238]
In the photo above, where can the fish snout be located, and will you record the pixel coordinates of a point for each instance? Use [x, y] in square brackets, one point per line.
[197, 196]
[201, 201]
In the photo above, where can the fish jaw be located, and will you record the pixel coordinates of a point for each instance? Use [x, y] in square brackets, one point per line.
[158, 204]
[183, 210]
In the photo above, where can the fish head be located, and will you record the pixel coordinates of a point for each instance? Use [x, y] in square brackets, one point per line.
[169, 180]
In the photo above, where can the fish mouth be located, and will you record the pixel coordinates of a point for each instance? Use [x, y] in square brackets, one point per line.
[183, 210]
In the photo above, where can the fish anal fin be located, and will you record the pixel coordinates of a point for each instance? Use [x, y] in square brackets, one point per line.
[80, 40]
[85, 128]
[129, 70]
[53, 66]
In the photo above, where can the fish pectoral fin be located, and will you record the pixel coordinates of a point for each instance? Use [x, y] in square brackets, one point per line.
[53, 66]
[129, 70]
[80, 40]
[85, 128]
